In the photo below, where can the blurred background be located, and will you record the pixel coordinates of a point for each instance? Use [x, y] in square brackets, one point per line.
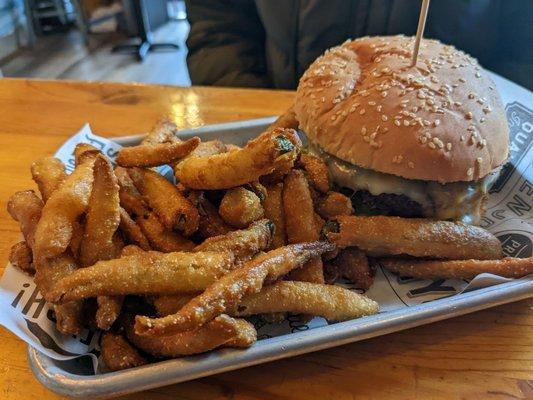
[250, 43]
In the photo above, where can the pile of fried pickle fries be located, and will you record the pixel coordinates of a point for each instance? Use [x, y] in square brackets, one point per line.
[168, 270]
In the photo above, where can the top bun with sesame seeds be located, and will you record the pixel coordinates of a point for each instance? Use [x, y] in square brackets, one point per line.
[441, 120]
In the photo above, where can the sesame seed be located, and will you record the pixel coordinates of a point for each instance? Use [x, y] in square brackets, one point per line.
[478, 75]
[384, 94]
[411, 164]
[468, 115]
[405, 122]
[480, 101]
[397, 122]
[470, 171]
[479, 160]
[423, 139]
[462, 138]
[448, 146]
[487, 110]
[462, 80]
[371, 103]
[384, 118]
[458, 103]
[472, 140]
[471, 96]
[363, 130]
[379, 108]
[436, 122]
[431, 145]
[366, 139]
[373, 135]
[482, 119]
[362, 111]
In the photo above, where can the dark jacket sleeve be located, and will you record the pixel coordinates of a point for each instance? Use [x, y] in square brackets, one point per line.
[515, 58]
[226, 43]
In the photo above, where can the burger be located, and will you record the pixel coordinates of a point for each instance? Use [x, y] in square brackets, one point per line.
[413, 141]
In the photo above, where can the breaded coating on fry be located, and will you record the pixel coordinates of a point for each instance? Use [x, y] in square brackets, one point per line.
[332, 302]
[227, 291]
[152, 155]
[221, 331]
[48, 173]
[235, 168]
[460, 269]
[386, 236]
[316, 171]
[333, 204]
[144, 273]
[174, 210]
[352, 264]
[118, 354]
[20, 256]
[243, 244]
[210, 224]
[273, 205]
[62, 210]
[300, 223]
[240, 207]
[26, 208]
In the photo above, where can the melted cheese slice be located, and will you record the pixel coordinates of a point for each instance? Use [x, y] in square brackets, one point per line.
[460, 201]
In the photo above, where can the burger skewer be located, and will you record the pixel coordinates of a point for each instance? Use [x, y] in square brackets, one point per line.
[420, 30]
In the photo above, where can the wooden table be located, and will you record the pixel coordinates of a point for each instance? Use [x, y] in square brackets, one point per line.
[485, 355]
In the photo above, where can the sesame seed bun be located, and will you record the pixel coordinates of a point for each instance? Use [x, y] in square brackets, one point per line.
[440, 121]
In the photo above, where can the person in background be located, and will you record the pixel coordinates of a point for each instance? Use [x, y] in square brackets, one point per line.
[270, 43]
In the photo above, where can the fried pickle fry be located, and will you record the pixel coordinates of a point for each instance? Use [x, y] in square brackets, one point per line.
[103, 216]
[99, 238]
[231, 169]
[145, 273]
[227, 291]
[334, 303]
[210, 223]
[300, 223]
[381, 236]
[132, 231]
[130, 250]
[333, 204]
[508, 267]
[84, 148]
[316, 171]
[240, 207]
[221, 331]
[118, 354]
[273, 205]
[152, 155]
[172, 207]
[286, 120]
[48, 272]
[160, 238]
[331, 302]
[61, 211]
[352, 264]
[26, 208]
[20, 256]
[171, 303]
[243, 244]
[108, 310]
[164, 131]
[69, 319]
[48, 173]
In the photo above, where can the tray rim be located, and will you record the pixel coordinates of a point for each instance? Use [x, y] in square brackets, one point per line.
[171, 371]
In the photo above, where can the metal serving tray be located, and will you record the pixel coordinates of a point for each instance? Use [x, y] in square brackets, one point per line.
[75, 379]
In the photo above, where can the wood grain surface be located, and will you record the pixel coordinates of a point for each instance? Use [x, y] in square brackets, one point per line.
[485, 355]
